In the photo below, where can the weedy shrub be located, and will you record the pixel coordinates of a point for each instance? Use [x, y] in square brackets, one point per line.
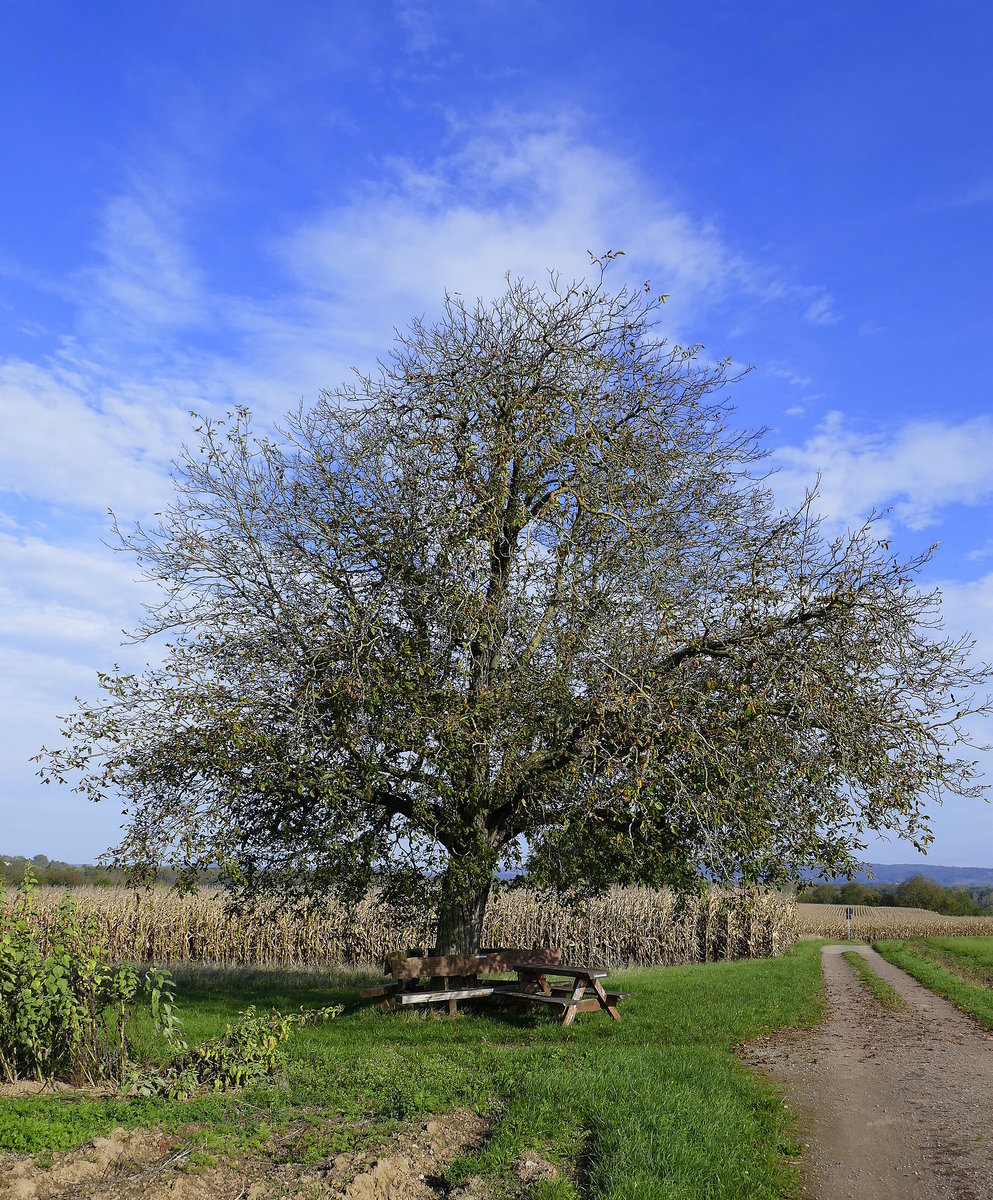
[249, 1050]
[64, 1008]
[64, 1011]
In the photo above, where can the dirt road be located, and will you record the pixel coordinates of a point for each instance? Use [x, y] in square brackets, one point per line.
[890, 1104]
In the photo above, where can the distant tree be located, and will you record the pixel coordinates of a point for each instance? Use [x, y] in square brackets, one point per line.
[519, 596]
[820, 893]
[919, 891]
[858, 893]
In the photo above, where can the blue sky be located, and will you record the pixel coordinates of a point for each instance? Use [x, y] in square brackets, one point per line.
[236, 203]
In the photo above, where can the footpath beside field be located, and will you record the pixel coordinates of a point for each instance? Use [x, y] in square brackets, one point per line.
[890, 1103]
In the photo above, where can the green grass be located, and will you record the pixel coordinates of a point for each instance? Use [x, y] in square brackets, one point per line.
[656, 1106]
[871, 981]
[970, 956]
[958, 968]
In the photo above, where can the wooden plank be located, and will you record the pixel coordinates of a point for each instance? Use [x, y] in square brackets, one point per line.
[537, 997]
[612, 997]
[372, 992]
[591, 1004]
[427, 968]
[504, 959]
[455, 994]
[558, 969]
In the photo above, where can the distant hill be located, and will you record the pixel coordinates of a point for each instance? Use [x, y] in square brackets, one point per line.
[52, 871]
[946, 876]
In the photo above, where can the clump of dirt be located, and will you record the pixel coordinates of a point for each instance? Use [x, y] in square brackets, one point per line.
[533, 1168]
[415, 1165]
[145, 1165]
[83, 1171]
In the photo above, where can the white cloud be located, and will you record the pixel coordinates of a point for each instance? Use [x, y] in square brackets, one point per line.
[981, 552]
[33, 570]
[918, 468]
[780, 370]
[821, 311]
[418, 25]
[62, 612]
[967, 607]
[146, 276]
[72, 437]
[525, 195]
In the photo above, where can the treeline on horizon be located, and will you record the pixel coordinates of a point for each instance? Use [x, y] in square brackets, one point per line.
[50, 872]
[918, 891]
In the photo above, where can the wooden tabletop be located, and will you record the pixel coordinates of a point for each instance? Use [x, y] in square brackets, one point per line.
[573, 972]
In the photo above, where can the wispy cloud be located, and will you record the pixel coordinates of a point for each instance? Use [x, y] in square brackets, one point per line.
[781, 370]
[918, 469]
[146, 276]
[523, 195]
[821, 311]
[418, 24]
[73, 436]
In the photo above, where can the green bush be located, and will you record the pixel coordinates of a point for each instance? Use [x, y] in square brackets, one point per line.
[64, 1008]
[64, 1011]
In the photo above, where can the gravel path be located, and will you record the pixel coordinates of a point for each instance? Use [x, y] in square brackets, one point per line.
[889, 1104]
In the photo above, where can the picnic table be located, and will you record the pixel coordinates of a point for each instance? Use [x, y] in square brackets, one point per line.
[535, 988]
[542, 979]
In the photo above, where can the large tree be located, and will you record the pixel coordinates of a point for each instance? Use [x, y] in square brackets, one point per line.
[521, 594]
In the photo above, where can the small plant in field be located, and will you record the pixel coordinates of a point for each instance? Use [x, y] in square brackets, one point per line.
[249, 1050]
[64, 1008]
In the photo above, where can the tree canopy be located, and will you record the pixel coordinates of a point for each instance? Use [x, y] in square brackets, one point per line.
[521, 596]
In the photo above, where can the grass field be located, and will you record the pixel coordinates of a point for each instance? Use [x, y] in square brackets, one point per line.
[958, 968]
[655, 1106]
[870, 923]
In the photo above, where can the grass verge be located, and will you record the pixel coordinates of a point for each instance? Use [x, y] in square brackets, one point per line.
[657, 1106]
[918, 959]
[871, 981]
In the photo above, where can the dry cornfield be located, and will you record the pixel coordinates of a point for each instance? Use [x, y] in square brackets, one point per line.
[873, 924]
[626, 926]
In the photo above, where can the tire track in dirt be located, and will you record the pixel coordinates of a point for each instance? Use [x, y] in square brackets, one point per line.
[890, 1105]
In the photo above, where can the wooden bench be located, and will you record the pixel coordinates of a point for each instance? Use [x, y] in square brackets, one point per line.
[451, 978]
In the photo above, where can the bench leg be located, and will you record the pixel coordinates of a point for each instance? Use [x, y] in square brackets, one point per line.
[604, 1003]
[575, 1000]
[453, 1007]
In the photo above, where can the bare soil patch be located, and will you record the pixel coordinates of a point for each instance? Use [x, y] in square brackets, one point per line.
[890, 1104]
[33, 1087]
[144, 1165]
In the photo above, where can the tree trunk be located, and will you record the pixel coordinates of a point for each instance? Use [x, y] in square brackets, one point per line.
[460, 922]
